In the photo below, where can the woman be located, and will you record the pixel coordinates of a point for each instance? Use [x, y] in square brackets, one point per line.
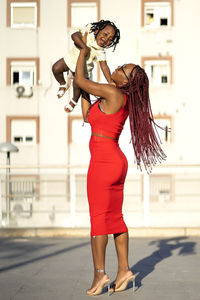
[128, 95]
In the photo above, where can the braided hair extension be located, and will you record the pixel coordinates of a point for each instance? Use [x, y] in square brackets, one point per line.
[98, 26]
[144, 136]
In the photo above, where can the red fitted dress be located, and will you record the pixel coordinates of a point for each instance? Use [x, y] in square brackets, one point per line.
[107, 171]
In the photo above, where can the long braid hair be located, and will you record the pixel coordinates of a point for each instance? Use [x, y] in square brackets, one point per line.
[98, 26]
[144, 136]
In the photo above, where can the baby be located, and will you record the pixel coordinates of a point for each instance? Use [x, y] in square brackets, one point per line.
[100, 35]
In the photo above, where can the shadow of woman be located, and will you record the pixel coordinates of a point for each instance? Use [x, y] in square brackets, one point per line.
[165, 247]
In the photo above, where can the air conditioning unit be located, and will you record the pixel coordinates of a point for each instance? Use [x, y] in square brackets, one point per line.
[24, 91]
[21, 207]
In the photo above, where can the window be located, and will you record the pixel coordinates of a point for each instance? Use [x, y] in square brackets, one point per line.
[77, 133]
[83, 12]
[164, 122]
[157, 13]
[22, 71]
[80, 12]
[161, 188]
[158, 69]
[23, 130]
[23, 14]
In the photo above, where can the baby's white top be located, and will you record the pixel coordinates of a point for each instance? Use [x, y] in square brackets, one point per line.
[97, 53]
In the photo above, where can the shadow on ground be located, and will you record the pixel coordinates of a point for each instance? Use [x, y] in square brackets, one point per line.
[23, 248]
[165, 249]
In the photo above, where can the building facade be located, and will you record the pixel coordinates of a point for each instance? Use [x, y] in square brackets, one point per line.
[161, 36]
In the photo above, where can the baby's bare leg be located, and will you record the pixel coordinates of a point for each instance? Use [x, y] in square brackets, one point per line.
[76, 92]
[58, 70]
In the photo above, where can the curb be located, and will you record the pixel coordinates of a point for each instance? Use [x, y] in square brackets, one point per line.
[85, 232]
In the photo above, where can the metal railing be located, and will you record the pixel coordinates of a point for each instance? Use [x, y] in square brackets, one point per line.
[43, 196]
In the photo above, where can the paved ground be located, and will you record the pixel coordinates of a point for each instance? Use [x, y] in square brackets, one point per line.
[61, 268]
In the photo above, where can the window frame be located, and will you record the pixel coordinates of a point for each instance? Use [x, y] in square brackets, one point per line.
[171, 189]
[171, 180]
[69, 16]
[171, 2]
[22, 138]
[9, 119]
[9, 2]
[16, 67]
[167, 58]
[70, 121]
[22, 25]
[9, 60]
[166, 117]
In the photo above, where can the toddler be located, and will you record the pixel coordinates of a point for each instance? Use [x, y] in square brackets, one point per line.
[100, 35]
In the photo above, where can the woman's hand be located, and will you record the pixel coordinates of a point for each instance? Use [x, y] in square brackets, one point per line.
[112, 83]
[86, 49]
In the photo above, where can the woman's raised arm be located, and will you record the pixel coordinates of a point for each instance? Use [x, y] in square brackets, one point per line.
[105, 91]
[85, 105]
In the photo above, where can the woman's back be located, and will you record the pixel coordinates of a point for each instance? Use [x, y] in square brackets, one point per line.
[110, 125]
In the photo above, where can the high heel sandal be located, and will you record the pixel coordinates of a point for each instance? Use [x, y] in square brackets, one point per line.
[69, 107]
[123, 285]
[62, 90]
[103, 282]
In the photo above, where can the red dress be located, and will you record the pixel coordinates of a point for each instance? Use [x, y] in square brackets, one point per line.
[107, 171]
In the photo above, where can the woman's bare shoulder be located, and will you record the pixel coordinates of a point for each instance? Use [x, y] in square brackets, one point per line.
[116, 94]
[114, 101]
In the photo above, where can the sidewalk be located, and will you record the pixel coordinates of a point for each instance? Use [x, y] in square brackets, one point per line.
[85, 232]
[61, 268]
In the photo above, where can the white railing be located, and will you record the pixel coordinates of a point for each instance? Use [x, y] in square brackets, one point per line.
[47, 195]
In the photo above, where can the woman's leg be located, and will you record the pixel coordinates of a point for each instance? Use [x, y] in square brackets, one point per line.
[121, 244]
[98, 245]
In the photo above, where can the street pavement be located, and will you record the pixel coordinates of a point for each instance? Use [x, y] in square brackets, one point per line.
[61, 268]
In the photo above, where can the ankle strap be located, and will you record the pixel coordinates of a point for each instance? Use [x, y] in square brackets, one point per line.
[100, 270]
[124, 268]
[72, 100]
[64, 85]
